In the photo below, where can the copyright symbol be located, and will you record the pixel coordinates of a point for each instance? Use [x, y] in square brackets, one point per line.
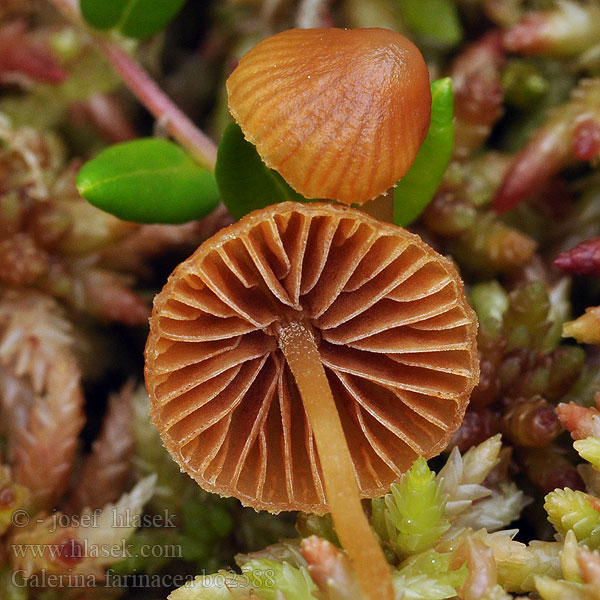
[20, 518]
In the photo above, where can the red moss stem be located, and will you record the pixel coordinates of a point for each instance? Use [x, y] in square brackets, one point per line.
[177, 124]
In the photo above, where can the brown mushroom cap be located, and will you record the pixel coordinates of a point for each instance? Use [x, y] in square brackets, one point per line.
[395, 335]
[339, 113]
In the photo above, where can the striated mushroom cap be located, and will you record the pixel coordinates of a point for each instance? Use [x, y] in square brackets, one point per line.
[395, 334]
[338, 113]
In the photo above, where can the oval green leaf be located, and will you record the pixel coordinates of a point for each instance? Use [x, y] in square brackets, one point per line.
[245, 182]
[133, 18]
[148, 181]
[416, 189]
[101, 14]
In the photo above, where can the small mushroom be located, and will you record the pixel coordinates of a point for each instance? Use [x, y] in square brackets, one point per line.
[339, 113]
[304, 357]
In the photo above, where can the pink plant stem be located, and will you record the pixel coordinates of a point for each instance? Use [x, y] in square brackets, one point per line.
[159, 104]
[177, 124]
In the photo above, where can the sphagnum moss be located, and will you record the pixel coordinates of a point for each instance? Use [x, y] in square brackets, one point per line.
[76, 285]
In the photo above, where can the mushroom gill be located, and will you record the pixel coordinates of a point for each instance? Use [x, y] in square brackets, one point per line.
[393, 328]
[304, 357]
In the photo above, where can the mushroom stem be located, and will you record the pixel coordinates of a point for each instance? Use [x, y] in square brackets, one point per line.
[341, 489]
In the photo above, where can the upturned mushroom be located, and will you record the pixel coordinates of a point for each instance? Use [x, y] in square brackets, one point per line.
[339, 113]
[303, 357]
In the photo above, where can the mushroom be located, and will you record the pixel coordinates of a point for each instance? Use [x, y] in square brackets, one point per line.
[339, 113]
[303, 357]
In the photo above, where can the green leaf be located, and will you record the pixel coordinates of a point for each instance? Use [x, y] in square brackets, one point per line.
[416, 189]
[148, 181]
[133, 18]
[436, 20]
[102, 14]
[245, 182]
